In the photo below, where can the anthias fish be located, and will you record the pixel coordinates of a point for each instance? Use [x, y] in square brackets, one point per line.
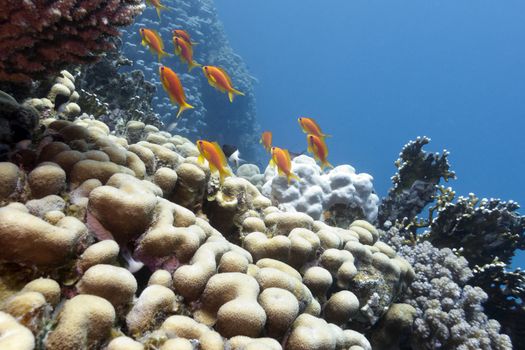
[153, 41]
[219, 79]
[181, 33]
[317, 147]
[266, 140]
[184, 50]
[158, 6]
[281, 159]
[171, 83]
[311, 127]
[212, 152]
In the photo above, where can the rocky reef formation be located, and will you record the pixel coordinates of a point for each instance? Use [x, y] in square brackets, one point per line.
[39, 37]
[128, 242]
[460, 259]
[213, 116]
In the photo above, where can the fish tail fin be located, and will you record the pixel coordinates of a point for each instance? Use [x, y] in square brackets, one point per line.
[326, 135]
[193, 64]
[163, 54]
[159, 9]
[224, 173]
[326, 164]
[233, 92]
[292, 176]
[183, 107]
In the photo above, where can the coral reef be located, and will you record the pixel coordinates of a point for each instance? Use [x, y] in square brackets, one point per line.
[213, 116]
[129, 242]
[317, 193]
[114, 97]
[39, 38]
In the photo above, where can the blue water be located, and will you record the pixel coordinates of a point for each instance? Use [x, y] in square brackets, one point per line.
[376, 74]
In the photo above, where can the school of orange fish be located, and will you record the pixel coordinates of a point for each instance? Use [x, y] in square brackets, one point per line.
[219, 79]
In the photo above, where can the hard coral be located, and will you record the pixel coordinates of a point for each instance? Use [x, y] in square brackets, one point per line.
[39, 37]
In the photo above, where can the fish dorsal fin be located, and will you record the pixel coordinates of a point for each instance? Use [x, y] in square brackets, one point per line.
[157, 36]
[226, 75]
[221, 153]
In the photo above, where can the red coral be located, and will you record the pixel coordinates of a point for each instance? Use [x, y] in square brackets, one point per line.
[41, 37]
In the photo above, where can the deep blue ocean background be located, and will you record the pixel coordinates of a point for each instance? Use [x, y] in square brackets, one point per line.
[376, 74]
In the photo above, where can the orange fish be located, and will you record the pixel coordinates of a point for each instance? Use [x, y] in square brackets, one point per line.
[158, 6]
[185, 51]
[153, 40]
[219, 79]
[266, 140]
[212, 152]
[281, 159]
[317, 146]
[171, 83]
[309, 126]
[184, 35]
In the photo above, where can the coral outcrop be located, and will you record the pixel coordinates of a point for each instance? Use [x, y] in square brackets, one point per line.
[39, 38]
[129, 242]
[321, 195]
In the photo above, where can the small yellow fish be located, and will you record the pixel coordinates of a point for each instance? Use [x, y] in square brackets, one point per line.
[152, 39]
[317, 147]
[219, 79]
[171, 83]
[281, 159]
[185, 51]
[184, 35]
[266, 140]
[212, 152]
[158, 6]
[311, 127]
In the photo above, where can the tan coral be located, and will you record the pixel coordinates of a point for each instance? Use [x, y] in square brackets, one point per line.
[146, 156]
[241, 342]
[190, 187]
[49, 288]
[9, 178]
[318, 280]
[229, 301]
[84, 323]
[115, 284]
[93, 169]
[161, 278]
[14, 336]
[164, 156]
[50, 150]
[341, 265]
[27, 307]
[67, 159]
[282, 309]
[282, 223]
[103, 252]
[341, 307]
[46, 179]
[177, 344]
[187, 328]
[24, 238]
[166, 179]
[124, 207]
[124, 343]
[154, 302]
[260, 246]
[190, 280]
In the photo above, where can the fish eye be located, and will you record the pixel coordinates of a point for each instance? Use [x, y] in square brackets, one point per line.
[162, 68]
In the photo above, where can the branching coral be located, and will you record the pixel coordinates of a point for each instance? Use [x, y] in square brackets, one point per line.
[39, 37]
[415, 182]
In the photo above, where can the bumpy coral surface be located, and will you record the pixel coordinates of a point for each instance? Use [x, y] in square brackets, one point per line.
[318, 192]
[39, 37]
[129, 242]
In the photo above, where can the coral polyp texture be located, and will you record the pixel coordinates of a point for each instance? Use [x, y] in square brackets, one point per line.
[123, 241]
[321, 194]
[39, 37]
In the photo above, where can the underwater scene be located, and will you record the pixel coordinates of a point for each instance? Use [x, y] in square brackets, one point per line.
[262, 175]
